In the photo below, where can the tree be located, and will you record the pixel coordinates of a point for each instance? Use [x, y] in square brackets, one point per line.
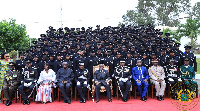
[195, 10]
[190, 29]
[13, 36]
[160, 12]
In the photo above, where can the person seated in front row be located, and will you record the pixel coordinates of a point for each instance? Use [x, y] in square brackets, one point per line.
[188, 76]
[102, 77]
[10, 83]
[123, 77]
[64, 78]
[157, 76]
[28, 79]
[141, 76]
[82, 77]
[46, 81]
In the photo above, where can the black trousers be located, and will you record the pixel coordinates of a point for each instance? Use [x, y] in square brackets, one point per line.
[122, 88]
[65, 89]
[26, 95]
[97, 90]
[82, 89]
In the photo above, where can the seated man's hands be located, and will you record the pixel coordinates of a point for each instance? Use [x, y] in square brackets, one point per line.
[138, 81]
[97, 83]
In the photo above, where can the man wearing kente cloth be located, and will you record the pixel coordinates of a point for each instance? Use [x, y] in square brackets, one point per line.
[188, 75]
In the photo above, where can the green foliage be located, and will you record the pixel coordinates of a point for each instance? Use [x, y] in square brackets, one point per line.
[133, 17]
[174, 35]
[157, 12]
[190, 29]
[13, 36]
[195, 10]
[198, 65]
[13, 53]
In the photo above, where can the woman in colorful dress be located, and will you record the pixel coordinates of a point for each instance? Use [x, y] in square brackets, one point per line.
[46, 80]
[5, 59]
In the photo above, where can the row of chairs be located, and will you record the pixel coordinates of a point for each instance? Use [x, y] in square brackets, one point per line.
[134, 89]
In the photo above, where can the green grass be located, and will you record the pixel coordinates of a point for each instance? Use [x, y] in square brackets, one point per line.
[197, 54]
[198, 65]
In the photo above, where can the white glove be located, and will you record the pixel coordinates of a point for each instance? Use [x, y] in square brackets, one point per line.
[170, 79]
[179, 79]
[78, 83]
[85, 82]
[120, 79]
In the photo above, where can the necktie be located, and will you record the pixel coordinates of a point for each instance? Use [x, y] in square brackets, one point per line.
[101, 72]
[140, 73]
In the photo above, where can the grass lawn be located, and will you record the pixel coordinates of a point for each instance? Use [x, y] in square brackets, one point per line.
[197, 54]
[198, 65]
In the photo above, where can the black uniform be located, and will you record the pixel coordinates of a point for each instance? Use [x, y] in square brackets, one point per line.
[28, 78]
[173, 77]
[123, 73]
[20, 64]
[82, 77]
[192, 59]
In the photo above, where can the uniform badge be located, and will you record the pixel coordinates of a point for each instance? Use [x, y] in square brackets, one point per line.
[14, 75]
[31, 72]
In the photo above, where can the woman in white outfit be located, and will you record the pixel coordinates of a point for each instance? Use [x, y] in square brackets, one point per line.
[46, 80]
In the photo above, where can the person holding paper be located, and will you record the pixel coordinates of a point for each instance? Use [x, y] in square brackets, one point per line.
[82, 77]
[123, 77]
[141, 76]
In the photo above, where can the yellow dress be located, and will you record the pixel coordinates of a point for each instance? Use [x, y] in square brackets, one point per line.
[3, 68]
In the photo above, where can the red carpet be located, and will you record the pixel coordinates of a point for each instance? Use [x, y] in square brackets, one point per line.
[103, 105]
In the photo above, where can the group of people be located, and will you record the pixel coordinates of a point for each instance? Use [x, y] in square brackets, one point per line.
[64, 58]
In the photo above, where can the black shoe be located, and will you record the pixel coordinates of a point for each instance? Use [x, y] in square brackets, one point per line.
[97, 101]
[144, 99]
[125, 100]
[110, 100]
[8, 102]
[28, 102]
[65, 101]
[161, 97]
[192, 96]
[25, 102]
[83, 100]
[69, 101]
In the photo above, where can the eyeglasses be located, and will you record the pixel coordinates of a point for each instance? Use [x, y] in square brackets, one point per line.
[7, 56]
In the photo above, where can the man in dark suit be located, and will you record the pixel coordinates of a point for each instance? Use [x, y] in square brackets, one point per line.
[101, 77]
[64, 77]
